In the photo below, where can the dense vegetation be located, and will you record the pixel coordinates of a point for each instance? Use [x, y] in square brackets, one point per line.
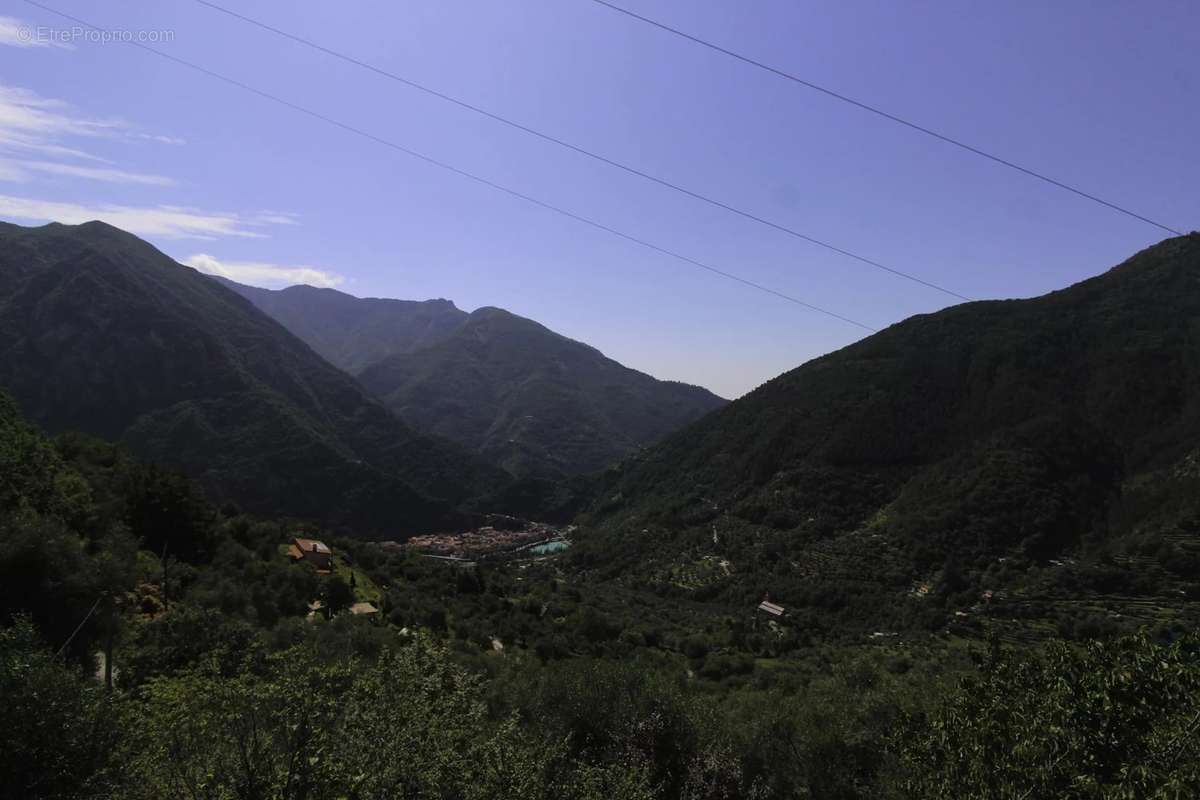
[509, 679]
[100, 332]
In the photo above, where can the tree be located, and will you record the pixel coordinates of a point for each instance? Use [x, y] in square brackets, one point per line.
[410, 723]
[59, 728]
[184, 638]
[201, 734]
[1110, 720]
[45, 572]
[338, 595]
[167, 510]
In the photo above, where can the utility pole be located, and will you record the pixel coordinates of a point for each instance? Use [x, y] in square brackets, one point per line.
[109, 636]
[163, 561]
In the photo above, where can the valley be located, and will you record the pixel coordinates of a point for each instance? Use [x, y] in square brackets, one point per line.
[824, 564]
[609, 400]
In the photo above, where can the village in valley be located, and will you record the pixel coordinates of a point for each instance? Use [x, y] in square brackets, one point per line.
[505, 537]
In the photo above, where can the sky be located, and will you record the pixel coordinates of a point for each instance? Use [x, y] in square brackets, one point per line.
[1097, 94]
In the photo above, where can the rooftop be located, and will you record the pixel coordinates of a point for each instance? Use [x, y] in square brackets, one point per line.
[771, 608]
[309, 545]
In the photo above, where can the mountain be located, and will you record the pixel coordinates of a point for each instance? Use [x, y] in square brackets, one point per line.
[354, 332]
[101, 332]
[949, 451]
[537, 403]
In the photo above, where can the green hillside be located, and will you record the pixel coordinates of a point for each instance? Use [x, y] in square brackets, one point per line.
[535, 402]
[965, 450]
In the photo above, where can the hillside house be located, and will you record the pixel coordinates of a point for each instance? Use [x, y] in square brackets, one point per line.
[312, 551]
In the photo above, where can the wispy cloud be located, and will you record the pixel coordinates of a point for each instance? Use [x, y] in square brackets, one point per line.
[152, 137]
[41, 136]
[264, 274]
[30, 123]
[167, 222]
[277, 218]
[17, 33]
[16, 170]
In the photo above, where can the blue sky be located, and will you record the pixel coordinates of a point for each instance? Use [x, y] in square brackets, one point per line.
[1097, 94]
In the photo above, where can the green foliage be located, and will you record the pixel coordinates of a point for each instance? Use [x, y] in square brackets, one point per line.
[46, 573]
[1108, 720]
[409, 724]
[29, 467]
[188, 637]
[338, 594]
[59, 728]
[1038, 489]
[168, 513]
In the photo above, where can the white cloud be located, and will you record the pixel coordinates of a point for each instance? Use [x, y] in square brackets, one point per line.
[174, 140]
[167, 222]
[19, 171]
[16, 33]
[259, 273]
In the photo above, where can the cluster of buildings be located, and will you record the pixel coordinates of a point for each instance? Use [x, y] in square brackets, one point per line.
[484, 541]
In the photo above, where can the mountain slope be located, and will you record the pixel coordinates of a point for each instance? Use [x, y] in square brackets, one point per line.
[533, 401]
[354, 332]
[101, 332]
[925, 452]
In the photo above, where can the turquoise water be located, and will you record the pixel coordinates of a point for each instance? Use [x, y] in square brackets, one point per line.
[550, 547]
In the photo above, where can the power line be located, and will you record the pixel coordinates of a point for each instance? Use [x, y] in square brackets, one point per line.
[578, 149]
[886, 115]
[456, 170]
[79, 627]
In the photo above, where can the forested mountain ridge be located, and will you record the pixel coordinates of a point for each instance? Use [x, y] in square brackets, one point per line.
[531, 400]
[518, 394]
[929, 450]
[101, 332]
[350, 332]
